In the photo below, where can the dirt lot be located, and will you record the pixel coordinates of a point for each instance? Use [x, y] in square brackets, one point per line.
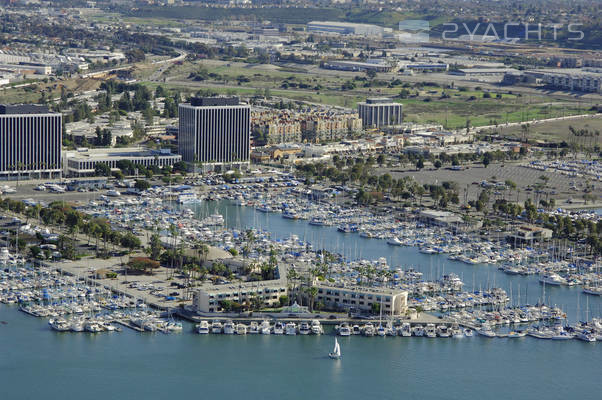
[558, 185]
[559, 130]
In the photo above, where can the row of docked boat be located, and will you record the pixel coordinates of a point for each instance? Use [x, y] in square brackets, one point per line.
[405, 330]
[83, 324]
[264, 328]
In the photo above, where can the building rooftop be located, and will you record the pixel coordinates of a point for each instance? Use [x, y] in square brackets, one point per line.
[23, 109]
[214, 101]
[86, 154]
[379, 100]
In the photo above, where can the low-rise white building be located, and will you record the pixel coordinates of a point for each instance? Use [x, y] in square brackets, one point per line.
[209, 298]
[394, 301]
[82, 162]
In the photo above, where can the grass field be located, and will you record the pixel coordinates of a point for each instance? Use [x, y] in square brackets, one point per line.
[559, 130]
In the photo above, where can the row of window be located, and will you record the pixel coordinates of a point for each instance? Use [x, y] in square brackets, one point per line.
[353, 295]
[251, 293]
[215, 134]
[30, 142]
[147, 162]
[352, 302]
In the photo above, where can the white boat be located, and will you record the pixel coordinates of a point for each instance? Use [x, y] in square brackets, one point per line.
[278, 328]
[516, 334]
[304, 328]
[381, 331]
[562, 335]
[552, 279]
[318, 222]
[430, 331]
[264, 327]
[344, 329]
[113, 193]
[77, 326]
[188, 198]
[229, 328]
[290, 214]
[291, 328]
[405, 330]
[394, 241]
[172, 326]
[336, 352]
[59, 325]
[368, 330]
[486, 331]
[203, 328]
[92, 327]
[316, 327]
[457, 332]
[241, 329]
[586, 336]
[356, 330]
[253, 328]
[418, 331]
[468, 332]
[443, 331]
[216, 327]
[593, 290]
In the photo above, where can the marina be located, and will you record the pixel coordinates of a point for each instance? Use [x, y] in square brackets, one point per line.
[436, 281]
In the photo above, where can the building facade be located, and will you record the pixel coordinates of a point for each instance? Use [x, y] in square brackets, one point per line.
[30, 141]
[377, 112]
[209, 299]
[215, 130]
[83, 162]
[393, 301]
[582, 82]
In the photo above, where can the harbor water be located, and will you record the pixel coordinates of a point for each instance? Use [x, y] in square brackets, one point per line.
[38, 362]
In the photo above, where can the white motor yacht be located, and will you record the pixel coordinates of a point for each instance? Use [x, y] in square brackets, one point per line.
[216, 327]
[316, 327]
[344, 329]
[59, 325]
[229, 327]
[291, 328]
[203, 328]
[77, 325]
[394, 241]
[304, 328]
[264, 327]
[552, 279]
[368, 330]
[443, 331]
[241, 329]
[418, 330]
[486, 331]
[253, 328]
[278, 328]
[405, 330]
[430, 331]
[586, 336]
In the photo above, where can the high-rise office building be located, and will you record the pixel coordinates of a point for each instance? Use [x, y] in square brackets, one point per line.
[215, 130]
[377, 112]
[30, 141]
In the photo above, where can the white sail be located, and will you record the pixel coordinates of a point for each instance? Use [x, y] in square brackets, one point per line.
[337, 348]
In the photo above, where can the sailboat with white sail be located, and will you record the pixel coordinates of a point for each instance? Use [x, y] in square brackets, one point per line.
[336, 352]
